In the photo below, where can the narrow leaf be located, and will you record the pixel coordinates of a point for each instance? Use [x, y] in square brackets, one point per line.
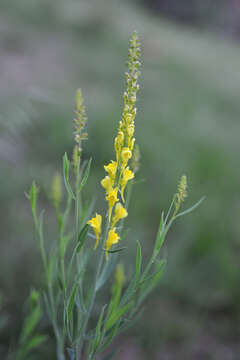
[86, 175]
[71, 302]
[117, 315]
[98, 329]
[82, 237]
[128, 292]
[107, 271]
[30, 323]
[152, 282]
[34, 343]
[159, 267]
[66, 167]
[110, 337]
[116, 250]
[191, 208]
[130, 323]
[33, 196]
[138, 261]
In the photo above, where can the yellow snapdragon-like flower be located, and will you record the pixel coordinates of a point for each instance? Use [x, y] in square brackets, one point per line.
[127, 175]
[119, 213]
[112, 199]
[130, 130]
[107, 184]
[126, 154]
[118, 143]
[111, 169]
[131, 144]
[96, 224]
[112, 239]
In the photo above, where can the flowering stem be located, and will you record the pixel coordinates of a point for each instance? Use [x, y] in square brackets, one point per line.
[77, 201]
[91, 304]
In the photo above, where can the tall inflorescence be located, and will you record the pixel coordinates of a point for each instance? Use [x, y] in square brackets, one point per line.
[79, 123]
[118, 171]
[181, 194]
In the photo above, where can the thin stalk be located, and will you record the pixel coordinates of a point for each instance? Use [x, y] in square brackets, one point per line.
[90, 307]
[41, 244]
[77, 202]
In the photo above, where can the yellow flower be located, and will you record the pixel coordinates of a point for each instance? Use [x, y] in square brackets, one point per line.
[111, 169]
[112, 199]
[131, 144]
[129, 118]
[126, 176]
[112, 239]
[126, 154]
[96, 223]
[107, 184]
[119, 213]
[130, 130]
[118, 143]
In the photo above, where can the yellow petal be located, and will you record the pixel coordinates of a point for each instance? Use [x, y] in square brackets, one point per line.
[96, 224]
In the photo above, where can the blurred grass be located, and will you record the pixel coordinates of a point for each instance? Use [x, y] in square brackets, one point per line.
[187, 122]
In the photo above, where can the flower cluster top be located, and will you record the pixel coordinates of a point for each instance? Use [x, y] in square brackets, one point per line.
[118, 172]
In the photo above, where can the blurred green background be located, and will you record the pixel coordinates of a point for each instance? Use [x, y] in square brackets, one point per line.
[187, 122]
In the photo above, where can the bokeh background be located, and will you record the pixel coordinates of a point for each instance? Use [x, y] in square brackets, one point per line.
[188, 122]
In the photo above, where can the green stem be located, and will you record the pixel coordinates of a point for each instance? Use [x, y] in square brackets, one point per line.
[90, 307]
[77, 200]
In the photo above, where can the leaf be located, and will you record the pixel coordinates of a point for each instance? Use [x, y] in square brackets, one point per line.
[160, 264]
[33, 196]
[128, 292]
[138, 261]
[80, 300]
[98, 329]
[66, 167]
[191, 208]
[71, 302]
[41, 224]
[47, 305]
[33, 343]
[107, 270]
[160, 236]
[82, 237]
[153, 280]
[110, 337]
[116, 250]
[86, 175]
[117, 315]
[30, 323]
[129, 323]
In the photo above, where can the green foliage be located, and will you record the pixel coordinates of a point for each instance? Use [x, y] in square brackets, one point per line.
[68, 297]
[29, 339]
